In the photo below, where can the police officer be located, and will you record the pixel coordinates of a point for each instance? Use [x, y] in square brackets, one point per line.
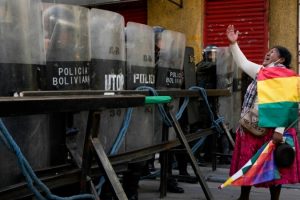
[206, 68]
[206, 78]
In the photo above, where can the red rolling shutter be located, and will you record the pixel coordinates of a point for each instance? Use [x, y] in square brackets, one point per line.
[248, 16]
[135, 11]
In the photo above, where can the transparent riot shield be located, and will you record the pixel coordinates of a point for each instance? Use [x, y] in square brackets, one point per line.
[66, 34]
[140, 55]
[171, 50]
[224, 81]
[108, 67]
[140, 72]
[229, 77]
[21, 54]
[228, 107]
[67, 47]
[19, 33]
[108, 50]
[170, 60]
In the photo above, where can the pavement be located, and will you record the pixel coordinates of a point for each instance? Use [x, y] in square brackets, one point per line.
[148, 189]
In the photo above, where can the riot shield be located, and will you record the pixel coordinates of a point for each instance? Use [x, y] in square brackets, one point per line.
[67, 48]
[140, 55]
[108, 67]
[189, 71]
[108, 50]
[170, 60]
[169, 75]
[22, 47]
[67, 41]
[21, 54]
[228, 77]
[140, 68]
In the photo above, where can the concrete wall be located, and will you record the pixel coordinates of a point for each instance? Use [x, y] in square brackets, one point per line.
[283, 26]
[188, 20]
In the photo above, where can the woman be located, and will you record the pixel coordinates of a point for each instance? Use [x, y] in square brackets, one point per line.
[246, 143]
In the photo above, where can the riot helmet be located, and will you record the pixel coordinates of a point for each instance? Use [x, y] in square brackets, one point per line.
[157, 33]
[157, 40]
[60, 32]
[209, 53]
[55, 14]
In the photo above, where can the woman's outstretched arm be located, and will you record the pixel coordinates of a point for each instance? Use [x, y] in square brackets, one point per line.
[240, 59]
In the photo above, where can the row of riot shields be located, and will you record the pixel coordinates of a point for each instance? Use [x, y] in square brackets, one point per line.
[65, 47]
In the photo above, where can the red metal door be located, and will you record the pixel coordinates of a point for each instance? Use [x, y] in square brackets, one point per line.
[135, 11]
[250, 17]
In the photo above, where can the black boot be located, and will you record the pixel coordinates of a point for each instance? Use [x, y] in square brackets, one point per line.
[275, 192]
[131, 179]
[172, 186]
[245, 193]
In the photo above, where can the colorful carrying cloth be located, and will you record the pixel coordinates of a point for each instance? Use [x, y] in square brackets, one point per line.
[278, 94]
[261, 168]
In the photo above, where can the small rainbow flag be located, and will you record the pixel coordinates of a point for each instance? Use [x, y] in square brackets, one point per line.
[278, 94]
[259, 169]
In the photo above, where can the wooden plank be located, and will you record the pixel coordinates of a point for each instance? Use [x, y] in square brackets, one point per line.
[173, 93]
[12, 106]
[194, 163]
[109, 171]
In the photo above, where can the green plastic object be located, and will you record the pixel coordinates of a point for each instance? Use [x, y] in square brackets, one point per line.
[157, 99]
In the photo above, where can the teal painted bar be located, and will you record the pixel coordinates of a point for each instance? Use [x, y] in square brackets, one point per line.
[157, 99]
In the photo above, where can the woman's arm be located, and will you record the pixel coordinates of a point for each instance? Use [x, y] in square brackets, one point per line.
[242, 62]
[240, 59]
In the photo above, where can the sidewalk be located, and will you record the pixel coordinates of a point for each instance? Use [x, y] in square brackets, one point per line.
[149, 188]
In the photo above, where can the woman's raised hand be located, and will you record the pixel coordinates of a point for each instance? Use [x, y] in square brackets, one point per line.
[232, 35]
